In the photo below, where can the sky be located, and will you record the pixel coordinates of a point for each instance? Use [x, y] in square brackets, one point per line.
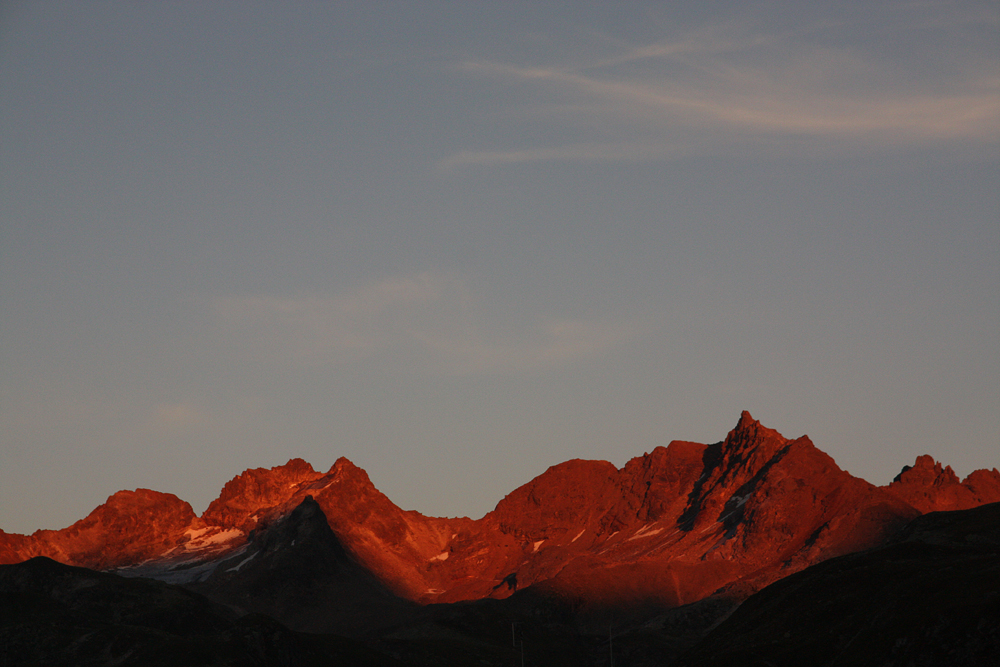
[459, 242]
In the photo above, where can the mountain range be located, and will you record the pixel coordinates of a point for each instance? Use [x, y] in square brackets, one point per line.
[664, 547]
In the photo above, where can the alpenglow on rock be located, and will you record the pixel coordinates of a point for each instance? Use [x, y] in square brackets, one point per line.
[670, 527]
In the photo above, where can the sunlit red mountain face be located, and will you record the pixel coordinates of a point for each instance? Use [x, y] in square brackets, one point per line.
[670, 527]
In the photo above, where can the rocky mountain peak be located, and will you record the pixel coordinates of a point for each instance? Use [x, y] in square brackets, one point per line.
[930, 487]
[733, 467]
[926, 470]
[129, 527]
[984, 484]
[245, 496]
[750, 439]
[344, 469]
[140, 502]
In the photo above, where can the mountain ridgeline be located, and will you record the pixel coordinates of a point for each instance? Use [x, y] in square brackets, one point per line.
[665, 547]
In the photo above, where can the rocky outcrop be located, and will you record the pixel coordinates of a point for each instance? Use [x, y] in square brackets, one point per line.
[929, 487]
[248, 496]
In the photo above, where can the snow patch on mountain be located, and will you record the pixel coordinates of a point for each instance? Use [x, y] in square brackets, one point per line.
[645, 532]
[242, 563]
[204, 538]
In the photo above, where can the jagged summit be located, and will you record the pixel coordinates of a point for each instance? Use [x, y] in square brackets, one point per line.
[345, 467]
[931, 487]
[245, 496]
[927, 468]
[748, 425]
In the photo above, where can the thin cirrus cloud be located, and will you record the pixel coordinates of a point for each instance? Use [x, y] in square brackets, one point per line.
[424, 322]
[178, 415]
[708, 89]
[553, 342]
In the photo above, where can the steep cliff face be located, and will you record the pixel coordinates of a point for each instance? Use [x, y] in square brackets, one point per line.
[767, 500]
[670, 527]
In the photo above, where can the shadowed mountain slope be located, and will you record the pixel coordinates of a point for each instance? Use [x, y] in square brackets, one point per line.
[931, 596]
[296, 570]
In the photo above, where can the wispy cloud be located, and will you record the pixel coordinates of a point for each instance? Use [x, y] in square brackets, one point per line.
[552, 342]
[720, 85]
[573, 153]
[422, 321]
[176, 416]
[316, 328]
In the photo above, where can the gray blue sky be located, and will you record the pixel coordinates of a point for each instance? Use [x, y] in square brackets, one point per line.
[460, 242]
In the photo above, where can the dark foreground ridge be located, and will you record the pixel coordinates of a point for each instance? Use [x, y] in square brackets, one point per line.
[929, 597]
[58, 615]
